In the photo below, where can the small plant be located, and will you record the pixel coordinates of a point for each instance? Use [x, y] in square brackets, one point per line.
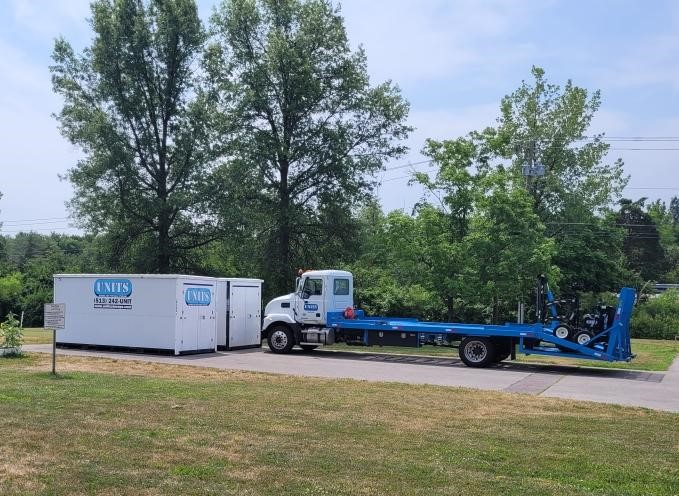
[11, 335]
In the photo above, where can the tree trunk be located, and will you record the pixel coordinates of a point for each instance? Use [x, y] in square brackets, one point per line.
[496, 310]
[283, 270]
[450, 301]
[163, 257]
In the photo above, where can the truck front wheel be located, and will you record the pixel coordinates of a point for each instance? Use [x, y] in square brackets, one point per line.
[477, 352]
[281, 339]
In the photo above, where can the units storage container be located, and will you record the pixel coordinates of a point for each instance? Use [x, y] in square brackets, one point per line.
[239, 313]
[175, 313]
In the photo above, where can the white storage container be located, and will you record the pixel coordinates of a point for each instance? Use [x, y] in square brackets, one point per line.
[239, 313]
[175, 313]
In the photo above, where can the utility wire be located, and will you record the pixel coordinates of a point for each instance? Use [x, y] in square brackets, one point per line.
[33, 220]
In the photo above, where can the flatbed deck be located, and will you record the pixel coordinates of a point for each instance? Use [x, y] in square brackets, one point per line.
[612, 344]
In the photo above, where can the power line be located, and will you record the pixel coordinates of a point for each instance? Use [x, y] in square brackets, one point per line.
[652, 139]
[646, 149]
[52, 229]
[31, 220]
[39, 223]
[403, 166]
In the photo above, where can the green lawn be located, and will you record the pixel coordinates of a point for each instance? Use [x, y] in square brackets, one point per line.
[652, 354]
[37, 335]
[128, 428]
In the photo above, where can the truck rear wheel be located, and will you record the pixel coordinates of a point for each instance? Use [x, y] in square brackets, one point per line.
[281, 339]
[477, 352]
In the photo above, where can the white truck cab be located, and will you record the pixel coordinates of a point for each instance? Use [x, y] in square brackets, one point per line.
[299, 318]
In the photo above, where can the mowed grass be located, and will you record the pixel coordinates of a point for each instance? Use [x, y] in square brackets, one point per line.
[652, 354]
[37, 335]
[129, 428]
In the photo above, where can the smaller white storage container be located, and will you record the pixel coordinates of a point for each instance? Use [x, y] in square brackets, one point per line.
[174, 313]
[239, 313]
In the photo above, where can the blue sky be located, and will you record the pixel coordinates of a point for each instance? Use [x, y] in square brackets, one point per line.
[454, 60]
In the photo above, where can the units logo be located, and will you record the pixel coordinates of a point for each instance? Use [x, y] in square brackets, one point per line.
[113, 287]
[198, 296]
[310, 307]
[113, 294]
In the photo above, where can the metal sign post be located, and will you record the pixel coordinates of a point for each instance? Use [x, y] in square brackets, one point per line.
[55, 318]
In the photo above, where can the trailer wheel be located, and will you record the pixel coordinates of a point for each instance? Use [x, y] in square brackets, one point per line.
[308, 347]
[583, 337]
[477, 352]
[281, 339]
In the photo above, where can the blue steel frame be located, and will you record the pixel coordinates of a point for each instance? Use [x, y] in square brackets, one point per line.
[610, 345]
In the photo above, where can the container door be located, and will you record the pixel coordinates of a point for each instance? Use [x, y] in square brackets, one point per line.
[253, 320]
[206, 328]
[198, 324]
[237, 317]
[190, 319]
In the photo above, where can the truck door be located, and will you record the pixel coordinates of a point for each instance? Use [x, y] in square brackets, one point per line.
[310, 302]
[342, 294]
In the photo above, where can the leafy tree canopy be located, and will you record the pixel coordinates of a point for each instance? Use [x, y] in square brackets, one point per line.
[132, 102]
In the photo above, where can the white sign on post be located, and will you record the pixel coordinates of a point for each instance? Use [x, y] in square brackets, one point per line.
[55, 316]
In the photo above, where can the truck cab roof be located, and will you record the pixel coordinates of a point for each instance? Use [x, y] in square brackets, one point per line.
[327, 272]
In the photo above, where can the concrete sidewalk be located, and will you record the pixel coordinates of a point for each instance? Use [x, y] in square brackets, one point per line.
[654, 390]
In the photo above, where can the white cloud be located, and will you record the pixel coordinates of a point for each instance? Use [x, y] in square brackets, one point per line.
[610, 122]
[34, 153]
[428, 39]
[650, 61]
[50, 18]
[18, 74]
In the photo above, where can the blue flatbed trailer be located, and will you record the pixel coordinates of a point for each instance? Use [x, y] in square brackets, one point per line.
[612, 344]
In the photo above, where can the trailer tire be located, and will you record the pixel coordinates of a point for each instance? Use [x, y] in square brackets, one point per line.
[477, 352]
[281, 339]
[308, 347]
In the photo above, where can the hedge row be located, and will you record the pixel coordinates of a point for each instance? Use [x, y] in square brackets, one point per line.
[657, 318]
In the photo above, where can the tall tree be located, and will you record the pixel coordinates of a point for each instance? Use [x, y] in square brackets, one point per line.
[133, 104]
[507, 245]
[543, 124]
[304, 128]
[643, 249]
[674, 210]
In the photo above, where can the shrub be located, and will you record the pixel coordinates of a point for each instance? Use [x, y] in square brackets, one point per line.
[658, 318]
[11, 334]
